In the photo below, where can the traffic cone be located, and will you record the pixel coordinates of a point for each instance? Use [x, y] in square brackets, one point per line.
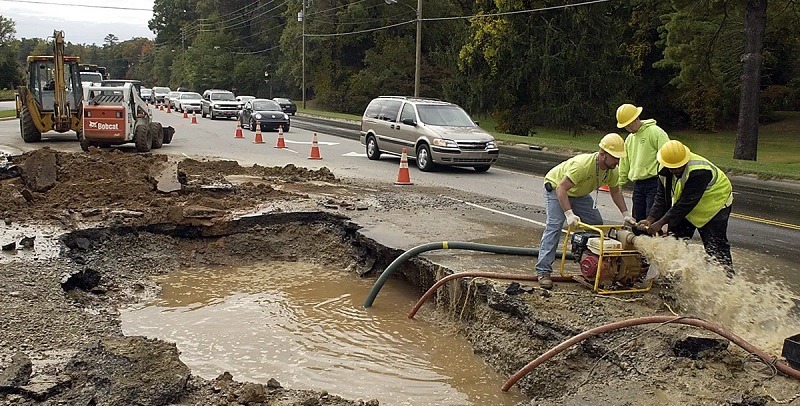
[403, 177]
[185, 114]
[281, 143]
[603, 188]
[194, 118]
[238, 129]
[315, 149]
[161, 107]
[258, 139]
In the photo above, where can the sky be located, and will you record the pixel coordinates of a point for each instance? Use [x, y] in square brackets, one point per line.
[83, 21]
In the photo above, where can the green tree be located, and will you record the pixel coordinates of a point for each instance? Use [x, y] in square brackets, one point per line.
[9, 68]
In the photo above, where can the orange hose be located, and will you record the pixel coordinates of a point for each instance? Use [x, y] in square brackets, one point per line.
[492, 275]
[780, 365]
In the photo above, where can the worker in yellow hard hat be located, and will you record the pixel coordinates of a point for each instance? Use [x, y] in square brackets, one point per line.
[639, 165]
[567, 191]
[693, 194]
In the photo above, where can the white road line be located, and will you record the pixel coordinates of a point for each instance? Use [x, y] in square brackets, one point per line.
[310, 142]
[355, 154]
[538, 223]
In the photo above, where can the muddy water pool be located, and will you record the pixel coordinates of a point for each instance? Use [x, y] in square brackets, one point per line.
[305, 326]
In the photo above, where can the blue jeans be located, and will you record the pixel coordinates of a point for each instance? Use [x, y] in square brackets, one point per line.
[583, 207]
[644, 195]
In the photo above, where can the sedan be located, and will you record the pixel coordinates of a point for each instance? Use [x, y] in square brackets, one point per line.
[188, 102]
[264, 113]
[287, 105]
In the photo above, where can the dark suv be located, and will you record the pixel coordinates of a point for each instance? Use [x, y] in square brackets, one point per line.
[287, 105]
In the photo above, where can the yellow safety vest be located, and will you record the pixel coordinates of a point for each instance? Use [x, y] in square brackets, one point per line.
[718, 193]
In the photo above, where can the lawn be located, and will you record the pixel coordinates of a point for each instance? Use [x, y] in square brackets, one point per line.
[778, 143]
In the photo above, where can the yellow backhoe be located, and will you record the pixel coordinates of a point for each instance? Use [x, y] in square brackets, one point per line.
[52, 100]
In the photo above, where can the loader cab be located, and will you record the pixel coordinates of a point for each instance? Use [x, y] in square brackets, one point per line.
[42, 81]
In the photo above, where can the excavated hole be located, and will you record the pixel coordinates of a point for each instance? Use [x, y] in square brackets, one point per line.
[127, 261]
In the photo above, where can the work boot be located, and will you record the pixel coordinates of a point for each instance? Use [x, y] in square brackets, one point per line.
[545, 282]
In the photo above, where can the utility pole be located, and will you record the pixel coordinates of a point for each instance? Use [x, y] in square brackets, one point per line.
[419, 49]
[302, 17]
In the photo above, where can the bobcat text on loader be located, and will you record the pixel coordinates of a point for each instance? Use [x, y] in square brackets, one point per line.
[117, 115]
[608, 259]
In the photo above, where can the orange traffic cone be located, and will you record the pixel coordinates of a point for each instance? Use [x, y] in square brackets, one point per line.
[258, 139]
[238, 129]
[315, 149]
[403, 177]
[281, 143]
[194, 118]
[603, 188]
[161, 107]
[185, 114]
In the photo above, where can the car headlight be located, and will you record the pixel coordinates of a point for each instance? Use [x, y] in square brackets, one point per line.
[491, 145]
[258, 116]
[285, 116]
[441, 142]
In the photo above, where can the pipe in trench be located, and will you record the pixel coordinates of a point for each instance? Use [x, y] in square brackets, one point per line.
[472, 246]
[491, 275]
[691, 321]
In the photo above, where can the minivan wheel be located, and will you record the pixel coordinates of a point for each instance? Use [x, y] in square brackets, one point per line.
[424, 160]
[373, 152]
[482, 168]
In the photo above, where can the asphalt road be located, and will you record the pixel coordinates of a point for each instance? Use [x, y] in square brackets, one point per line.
[759, 229]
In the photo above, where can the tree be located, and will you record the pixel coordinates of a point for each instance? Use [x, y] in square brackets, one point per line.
[9, 69]
[755, 21]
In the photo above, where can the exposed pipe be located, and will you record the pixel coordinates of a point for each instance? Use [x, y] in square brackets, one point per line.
[460, 245]
[447, 278]
[691, 321]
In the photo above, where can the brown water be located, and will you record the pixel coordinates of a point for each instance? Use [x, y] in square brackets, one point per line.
[753, 304]
[305, 326]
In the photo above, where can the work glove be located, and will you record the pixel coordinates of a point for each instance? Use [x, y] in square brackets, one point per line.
[627, 219]
[572, 219]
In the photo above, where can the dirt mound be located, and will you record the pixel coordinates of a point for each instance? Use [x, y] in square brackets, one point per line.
[54, 185]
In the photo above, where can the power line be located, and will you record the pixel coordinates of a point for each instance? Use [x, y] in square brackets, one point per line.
[49, 3]
[563, 6]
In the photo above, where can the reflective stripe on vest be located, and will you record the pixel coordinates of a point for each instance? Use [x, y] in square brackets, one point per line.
[718, 193]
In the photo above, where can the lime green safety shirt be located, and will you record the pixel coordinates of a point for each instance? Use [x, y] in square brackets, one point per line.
[641, 148]
[583, 170]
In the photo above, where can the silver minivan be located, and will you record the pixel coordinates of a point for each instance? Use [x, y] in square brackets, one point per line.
[433, 131]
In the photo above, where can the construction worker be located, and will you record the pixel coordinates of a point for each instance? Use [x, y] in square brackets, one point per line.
[692, 194]
[567, 192]
[639, 165]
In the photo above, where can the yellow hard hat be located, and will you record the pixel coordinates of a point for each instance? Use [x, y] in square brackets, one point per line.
[626, 114]
[673, 154]
[613, 144]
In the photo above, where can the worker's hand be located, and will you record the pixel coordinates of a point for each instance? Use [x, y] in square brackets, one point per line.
[627, 219]
[643, 225]
[655, 228]
[572, 219]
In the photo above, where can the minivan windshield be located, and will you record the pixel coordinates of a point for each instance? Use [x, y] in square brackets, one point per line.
[451, 116]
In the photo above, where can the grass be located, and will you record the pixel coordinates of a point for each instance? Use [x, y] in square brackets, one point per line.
[778, 143]
[7, 94]
[8, 113]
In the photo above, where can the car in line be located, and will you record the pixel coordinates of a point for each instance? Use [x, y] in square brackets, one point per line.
[219, 103]
[287, 105]
[244, 99]
[159, 92]
[434, 132]
[147, 94]
[170, 98]
[188, 102]
[264, 113]
[137, 84]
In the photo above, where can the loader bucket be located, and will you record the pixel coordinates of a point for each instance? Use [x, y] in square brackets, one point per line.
[168, 133]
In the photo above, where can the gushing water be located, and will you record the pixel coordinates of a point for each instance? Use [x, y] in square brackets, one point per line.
[758, 309]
